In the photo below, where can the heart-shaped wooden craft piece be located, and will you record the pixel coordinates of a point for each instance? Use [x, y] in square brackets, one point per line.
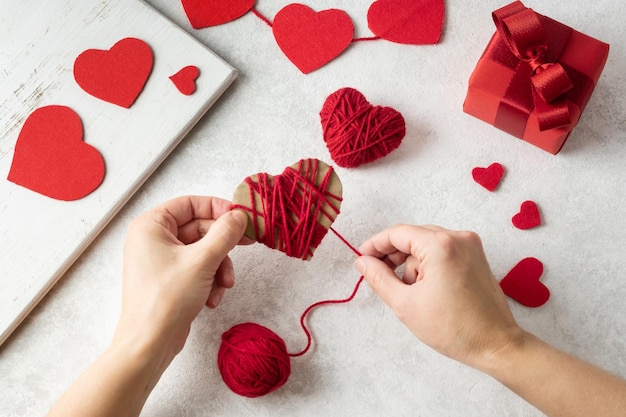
[522, 283]
[293, 211]
[185, 79]
[528, 216]
[205, 13]
[488, 177]
[51, 158]
[413, 22]
[311, 39]
[356, 132]
[117, 75]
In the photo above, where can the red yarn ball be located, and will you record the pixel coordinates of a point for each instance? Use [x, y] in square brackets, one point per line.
[253, 360]
[356, 132]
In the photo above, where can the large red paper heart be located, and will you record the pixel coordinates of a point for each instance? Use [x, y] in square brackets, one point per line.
[117, 75]
[488, 177]
[528, 216]
[205, 13]
[522, 283]
[51, 158]
[293, 211]
[414, 22]
[356, 132]
[311, 39]
[185, 79]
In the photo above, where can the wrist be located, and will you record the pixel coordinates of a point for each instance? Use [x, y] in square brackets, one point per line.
[499, 361]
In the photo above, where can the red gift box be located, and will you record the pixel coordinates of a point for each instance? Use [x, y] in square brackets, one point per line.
[535, 77]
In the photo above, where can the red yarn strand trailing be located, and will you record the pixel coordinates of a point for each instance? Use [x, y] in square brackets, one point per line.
[292, 225]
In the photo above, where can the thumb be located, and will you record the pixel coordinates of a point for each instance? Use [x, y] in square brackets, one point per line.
[381, 278]
[221, 237]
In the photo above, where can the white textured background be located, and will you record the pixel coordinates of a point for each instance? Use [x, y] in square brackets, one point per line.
[364, 362]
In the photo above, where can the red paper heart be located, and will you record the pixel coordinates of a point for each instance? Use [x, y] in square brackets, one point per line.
[522, 283]
[293, 211]
[205, 13]
[528, 216]
[185, 79]
[116, 75]
[488, 177]
[311, 39]
[356, 132]
[51, 158]
[414, 22]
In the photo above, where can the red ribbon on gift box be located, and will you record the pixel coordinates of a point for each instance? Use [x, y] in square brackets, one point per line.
[540, 81]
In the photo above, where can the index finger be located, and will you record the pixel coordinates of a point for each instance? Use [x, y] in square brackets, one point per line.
[402, 238]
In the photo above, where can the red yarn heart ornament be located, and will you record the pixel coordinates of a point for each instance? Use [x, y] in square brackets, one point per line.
[311, 39]
[293, 211]
[357, 132]
[414, 22]
[528, 216]
[185, 79]
[522, 284]
[205, 13]
[51, 158]
[117, 75]
[488, 177]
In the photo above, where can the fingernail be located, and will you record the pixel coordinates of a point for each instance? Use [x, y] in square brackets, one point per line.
[215, 299]
[360, 265]
[240, 216]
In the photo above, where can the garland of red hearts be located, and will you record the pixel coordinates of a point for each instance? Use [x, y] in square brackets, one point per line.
[50, 156]
[311, 39]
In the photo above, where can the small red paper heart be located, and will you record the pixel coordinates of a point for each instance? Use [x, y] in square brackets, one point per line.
[522, 283]
[293, 211]
[414, 22]
[528, 216]
[185, 79]
[205, 13]
[488, 177]
[117, 75]
[311, 39]
[51, 158]
[356, 132]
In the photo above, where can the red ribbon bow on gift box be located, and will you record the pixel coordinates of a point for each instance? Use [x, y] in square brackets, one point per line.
[523, 32]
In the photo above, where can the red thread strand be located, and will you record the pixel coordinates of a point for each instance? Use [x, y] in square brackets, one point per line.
[260, 16]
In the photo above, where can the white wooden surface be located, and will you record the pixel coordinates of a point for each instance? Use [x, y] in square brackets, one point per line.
[41, 237]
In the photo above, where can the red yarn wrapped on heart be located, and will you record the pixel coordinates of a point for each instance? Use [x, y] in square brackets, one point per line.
[356, 132]
[253, 360]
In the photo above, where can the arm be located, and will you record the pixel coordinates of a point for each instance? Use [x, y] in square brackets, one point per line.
[175, 262]
[447, 281]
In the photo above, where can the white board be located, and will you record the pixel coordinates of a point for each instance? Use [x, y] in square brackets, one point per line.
[41, 237]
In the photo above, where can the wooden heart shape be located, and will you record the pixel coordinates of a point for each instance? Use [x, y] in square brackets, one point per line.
[185, 79]
[528, 216]
[414, 22]
[311, 39]
[488, 177]
[51, 158]
[205, 13]
[522, 283]
[117, 75]
[293, 211]
[357, 132]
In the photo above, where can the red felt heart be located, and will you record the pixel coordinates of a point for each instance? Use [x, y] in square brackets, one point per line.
[356, 132]
[51, 158]
[528, 216]
[116, 75]
[488, 177]
[311, 39]
[522, 283]
[185, 79]
[414, 22]
[205, 13]
[293, 211]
